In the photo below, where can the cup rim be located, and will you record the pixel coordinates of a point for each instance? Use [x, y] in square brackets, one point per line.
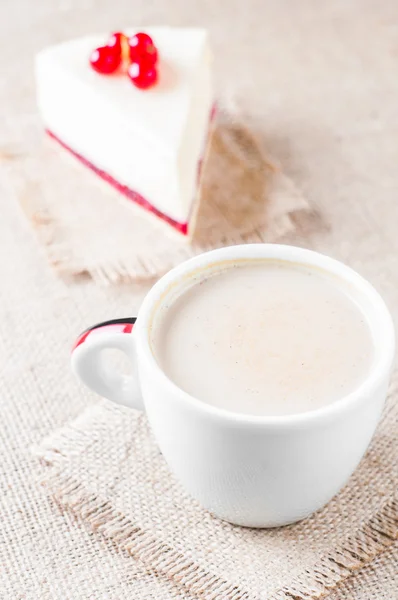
[154, 300]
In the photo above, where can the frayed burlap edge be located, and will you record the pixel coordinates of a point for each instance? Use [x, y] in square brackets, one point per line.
[374, 537]
[46, 177]
[149, 267]
[155, 555]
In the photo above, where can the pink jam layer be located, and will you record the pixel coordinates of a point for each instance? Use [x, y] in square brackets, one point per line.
[182, 228]
[123, 189]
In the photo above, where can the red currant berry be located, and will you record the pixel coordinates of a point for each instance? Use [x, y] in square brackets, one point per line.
[143, 75]
[120, 44]
[115, 41]
[142, 46]
[105, 60]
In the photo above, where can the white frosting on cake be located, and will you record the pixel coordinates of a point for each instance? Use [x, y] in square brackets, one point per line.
[148, 140]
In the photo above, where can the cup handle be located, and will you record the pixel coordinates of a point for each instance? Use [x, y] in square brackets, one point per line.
[88, 364]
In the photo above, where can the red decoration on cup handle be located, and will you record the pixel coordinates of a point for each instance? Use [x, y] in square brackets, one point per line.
[137, 54]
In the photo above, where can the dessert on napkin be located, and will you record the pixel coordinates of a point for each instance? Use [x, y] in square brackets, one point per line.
[246, 197]
[147, 132]
[138, 110]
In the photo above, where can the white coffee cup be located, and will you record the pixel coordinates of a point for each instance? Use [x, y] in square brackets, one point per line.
[256, 471]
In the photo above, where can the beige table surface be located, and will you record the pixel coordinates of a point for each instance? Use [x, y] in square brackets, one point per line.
[319, 82]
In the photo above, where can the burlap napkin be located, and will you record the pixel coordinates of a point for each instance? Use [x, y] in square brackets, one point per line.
[107, 470]
[87, 227]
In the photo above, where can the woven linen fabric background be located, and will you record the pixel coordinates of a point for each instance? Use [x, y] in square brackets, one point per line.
[108, 470]
[318, 81]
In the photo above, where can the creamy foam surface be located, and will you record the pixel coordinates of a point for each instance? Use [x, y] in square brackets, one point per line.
[265, 338]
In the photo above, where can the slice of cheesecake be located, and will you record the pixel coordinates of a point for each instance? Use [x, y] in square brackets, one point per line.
[149, 143]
